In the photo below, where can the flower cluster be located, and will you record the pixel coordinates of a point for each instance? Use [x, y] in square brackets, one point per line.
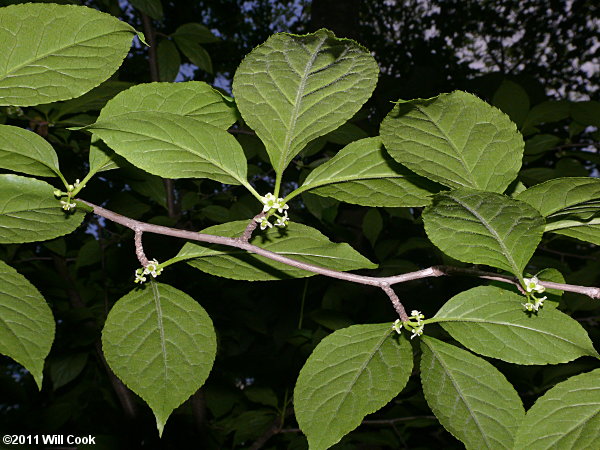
[272, 204]
[415, 327]
[533, 287]
[152, 268]
[67, 205]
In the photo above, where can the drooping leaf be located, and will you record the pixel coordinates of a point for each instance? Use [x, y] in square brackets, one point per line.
[29, 212]
[562, 194]
[584, 231]
[469, 396]
[152, 8]
[57, 52]
[194, 52]
[455, 139]
[351, 373]
[93, 100]
[296, 241]
[161, 343]
[293, 89]
[195, 32]
[174, 146]
[492, 322]
[23, 151]
[193, 99]
[484, 228]
[513, 100]
[566, 417]
[362, 173]
[168, 60]
[570, 205]
[26, 322]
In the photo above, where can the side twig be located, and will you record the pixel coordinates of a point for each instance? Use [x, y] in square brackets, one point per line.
[380, 282]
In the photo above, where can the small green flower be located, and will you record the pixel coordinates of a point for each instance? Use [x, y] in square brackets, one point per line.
[282, 221]
[68, 205]
[139, 276]
[264, 223]
[532, 285]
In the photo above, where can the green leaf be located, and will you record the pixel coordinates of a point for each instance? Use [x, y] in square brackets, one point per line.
[66, 368]
[372, 225]
[296, 241]
[152, 8]
[492, 322]
[193, 99]
[194, 52]
[29, 212]
[586, 113]
[455, 139]
[168, 60]
[195, 32]
[546, 112]
[363, 174]
[101, 157]
[566, 417]
[469, 396]
[24, 151]
[26, 322]
[484, 228]
[93, 100]
[512, 99]
[569, 204]
[56, 52]
[351, 373]
[174, 146]
[587, 232]
[293, 89]
[161, 343]
[558, 195]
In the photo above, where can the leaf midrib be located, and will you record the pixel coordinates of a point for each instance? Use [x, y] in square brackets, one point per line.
[11, 73]
[225, 170]
[294, 116]
[459, 391]
[506, 253]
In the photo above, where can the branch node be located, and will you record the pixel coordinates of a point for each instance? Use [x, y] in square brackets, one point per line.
[139, 248]
[395, 301]
[247, 234]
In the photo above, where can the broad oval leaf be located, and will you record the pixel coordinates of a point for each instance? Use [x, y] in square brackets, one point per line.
[296, 241]
[584, 231]
[351, 373]
[293, 89]
[23, 151]
[26, 322]
[362, 173]
[566, 417]
[492, 322]
[161, 343]
[563, 195]
[57, 52]
[174, 146]
[469, 396]
[29, 212]
[194, 99]
[484, 228]
[455, 139]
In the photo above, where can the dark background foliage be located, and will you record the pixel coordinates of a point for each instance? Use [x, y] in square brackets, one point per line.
[266, 330]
